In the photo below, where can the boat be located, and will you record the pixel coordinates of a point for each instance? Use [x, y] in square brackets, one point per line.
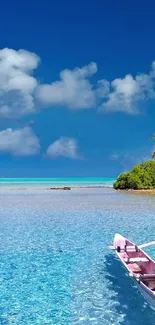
[140, 266]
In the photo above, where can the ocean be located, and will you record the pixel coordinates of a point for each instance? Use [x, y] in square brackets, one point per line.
[55, 264]
[56, 182]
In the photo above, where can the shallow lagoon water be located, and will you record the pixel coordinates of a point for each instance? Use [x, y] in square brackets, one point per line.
[55, 267]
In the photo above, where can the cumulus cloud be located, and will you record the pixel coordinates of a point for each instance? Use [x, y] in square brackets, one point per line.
[17, 84]
[103, 88]
[125, 95]
[73, 90]
[63, 147]
[128, 94]
[20, 142]
[21, 93]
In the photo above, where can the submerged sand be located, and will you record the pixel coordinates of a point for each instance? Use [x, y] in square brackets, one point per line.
[143, 191]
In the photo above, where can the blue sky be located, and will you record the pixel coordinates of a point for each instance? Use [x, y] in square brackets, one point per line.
[77, 87]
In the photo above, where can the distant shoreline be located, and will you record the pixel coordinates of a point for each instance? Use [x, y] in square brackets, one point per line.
[63, 188]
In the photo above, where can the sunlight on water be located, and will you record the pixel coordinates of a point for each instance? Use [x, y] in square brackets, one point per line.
[55, 267]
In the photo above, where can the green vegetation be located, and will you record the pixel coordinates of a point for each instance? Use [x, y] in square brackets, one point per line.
[141, 177]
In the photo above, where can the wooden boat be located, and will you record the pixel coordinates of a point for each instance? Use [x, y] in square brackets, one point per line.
[139, 265]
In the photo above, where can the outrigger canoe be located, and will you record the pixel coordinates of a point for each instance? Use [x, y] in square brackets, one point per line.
[139, 265]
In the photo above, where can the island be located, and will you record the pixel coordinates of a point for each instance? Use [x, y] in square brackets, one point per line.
[140, 178]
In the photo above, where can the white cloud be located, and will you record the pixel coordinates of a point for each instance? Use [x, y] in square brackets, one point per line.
[128, 94]
[73, 90]
[20, 142]
[63, 147]
[20, 91]
[16, 82]
[103, 88]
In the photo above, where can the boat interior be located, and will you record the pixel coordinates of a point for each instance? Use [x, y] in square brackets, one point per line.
[138, 263]
[150, 283]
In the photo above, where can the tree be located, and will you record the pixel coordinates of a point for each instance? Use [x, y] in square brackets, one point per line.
[152, 138]
[141, 177]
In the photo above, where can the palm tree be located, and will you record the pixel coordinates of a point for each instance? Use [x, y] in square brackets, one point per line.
[152, 138]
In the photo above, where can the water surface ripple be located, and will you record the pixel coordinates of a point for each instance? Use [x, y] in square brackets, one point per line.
[55, 267]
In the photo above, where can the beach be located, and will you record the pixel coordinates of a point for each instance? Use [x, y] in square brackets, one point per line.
[56, 267]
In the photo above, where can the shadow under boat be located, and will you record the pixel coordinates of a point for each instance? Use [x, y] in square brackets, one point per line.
[131, 303]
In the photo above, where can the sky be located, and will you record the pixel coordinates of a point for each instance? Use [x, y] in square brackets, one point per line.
[77, 87]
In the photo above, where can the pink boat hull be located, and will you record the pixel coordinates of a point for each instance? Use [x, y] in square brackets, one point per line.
[139, 265]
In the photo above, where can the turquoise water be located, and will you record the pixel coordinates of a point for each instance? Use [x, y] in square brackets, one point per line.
[55, 265]
[38, 182]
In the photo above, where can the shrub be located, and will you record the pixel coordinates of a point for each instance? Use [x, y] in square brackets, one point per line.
[141, 177]
[127, 181]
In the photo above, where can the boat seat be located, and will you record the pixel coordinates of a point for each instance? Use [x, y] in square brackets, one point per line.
[133, 267]
[125, 248]
[136, 259]
[132, 248]
[147, 276]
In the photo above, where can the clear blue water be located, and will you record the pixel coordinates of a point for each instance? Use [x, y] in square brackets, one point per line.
[55, 267]
[46, 182]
